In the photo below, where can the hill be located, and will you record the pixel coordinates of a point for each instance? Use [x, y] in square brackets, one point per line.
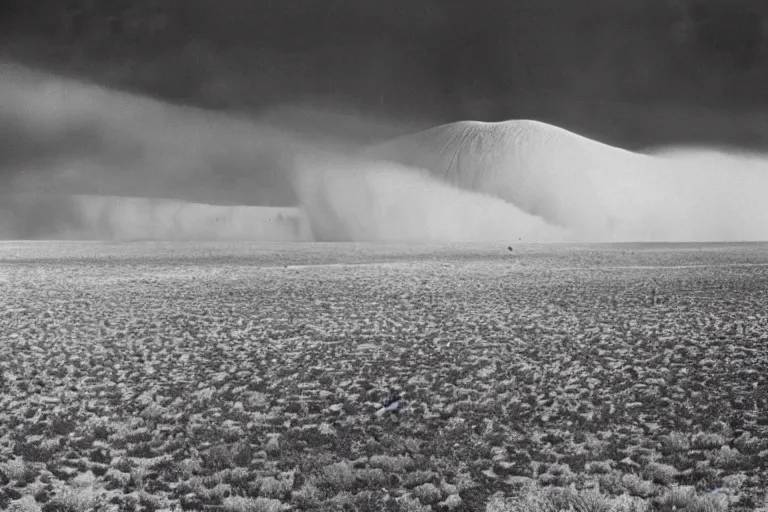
[597, 190]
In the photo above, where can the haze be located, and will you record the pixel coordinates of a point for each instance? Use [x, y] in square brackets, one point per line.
[77, 156]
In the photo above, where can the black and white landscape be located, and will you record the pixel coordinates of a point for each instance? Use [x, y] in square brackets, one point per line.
[384, 256]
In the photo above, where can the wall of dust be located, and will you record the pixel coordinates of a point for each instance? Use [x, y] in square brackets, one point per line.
[81, 161]
[126, 218]
[357, 199]
[701, 194]
[595, 191]
[90, 155]
[82, 217]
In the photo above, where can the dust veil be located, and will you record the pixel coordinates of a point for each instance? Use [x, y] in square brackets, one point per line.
[82, 161]
[364, 200]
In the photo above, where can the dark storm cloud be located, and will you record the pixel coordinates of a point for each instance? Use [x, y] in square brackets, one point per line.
[429, 61]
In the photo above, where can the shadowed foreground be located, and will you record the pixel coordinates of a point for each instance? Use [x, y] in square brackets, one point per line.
[249, 375]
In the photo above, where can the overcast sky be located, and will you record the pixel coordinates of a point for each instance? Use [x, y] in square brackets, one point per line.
[633, 73]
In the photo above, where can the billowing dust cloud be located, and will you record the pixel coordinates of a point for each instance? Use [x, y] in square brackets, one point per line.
[85, 162]
[594, 191]
[363, 200]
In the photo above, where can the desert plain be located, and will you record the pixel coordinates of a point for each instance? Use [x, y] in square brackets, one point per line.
[251, 376]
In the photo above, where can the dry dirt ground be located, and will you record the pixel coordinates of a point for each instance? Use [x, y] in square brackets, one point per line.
[250, 377]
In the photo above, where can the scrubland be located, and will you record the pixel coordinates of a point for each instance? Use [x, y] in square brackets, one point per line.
[247, 377]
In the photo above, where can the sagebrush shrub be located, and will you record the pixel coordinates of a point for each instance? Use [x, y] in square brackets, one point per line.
[240, 504]
[218, 457]
[19, 470]
[707, 440]
[272, 487]
[25, 504]
[407, 503]
[339, 476]
[746, 443]
[726, 458]
[675, 442]
[72, 501]
[599, 467]
[393, 464]
[307, 496]
[416, 478]
[372, 477]
[659, 473]
[685, 499]
[636, 486]
[427, 493]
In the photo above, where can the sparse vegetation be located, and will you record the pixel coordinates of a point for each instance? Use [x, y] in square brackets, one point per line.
[528, 387]
[663, 474]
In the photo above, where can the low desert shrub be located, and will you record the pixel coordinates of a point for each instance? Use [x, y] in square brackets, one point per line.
[307, 497]
[659, 473]
[138, 435]
[749, 444]
[116, 479]
[636, 486]
[275, 488]
[338, 477]
[598, 467]
[536, 499]
[735, 481]
[392, 464]
[240, 504]
[19, 470]
[72, 501]
[190, 467]
[62, 425]
[25, 504]
[218, 457]
[675, 442]
[372, 477]
[238, 477]
[409, 503]
[142, 450]
[558, 475]
[123, 464]
[242, 454]
[100, 456]
[708, 441]
[427, 493]
[415, 478]
[214, 479]
[150, 502]
[685, 499]
[726, 458]
[43, 451]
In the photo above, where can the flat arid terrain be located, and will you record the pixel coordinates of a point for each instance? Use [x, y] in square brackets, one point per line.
[255, 377]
